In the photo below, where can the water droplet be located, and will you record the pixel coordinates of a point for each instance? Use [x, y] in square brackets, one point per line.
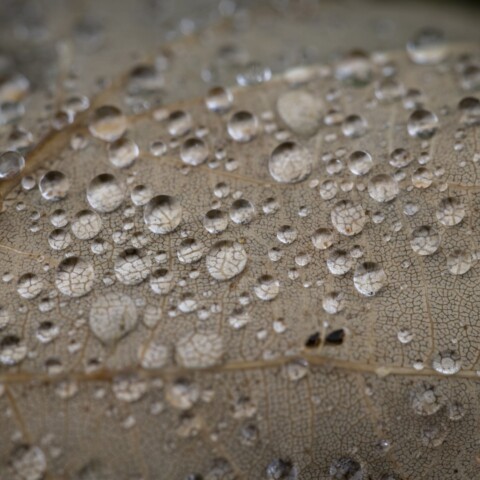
[190, 251]
[112, 316]
[451, 211]
[383, 188]
[12, 350]
[422, 124]
[86, 225]
[425, 240]
[369, 278]
[360, 162]
[179, 123]
[59, 239]
[74, 277]
[400, 158]
[29, 462]
[154, 355]
[161, 281]
[354, 126]
[219, 99]
[348, 218]
[54, 186]
[226, 260]
[470, 109]
[123, 152]
[253, 74]
[279, 469]
[131, 268]
[322, 238]
[243, 126]
[200, 350]
[266, 288]
[11, 164]
[427, 47]
[108, 123]
[104, 193]
[300, 111]
[163, 214]
[355, 69]
[446, 362]
[29, 286]
[339, 262]
[459, 262]
[215, 221]
[290, 163]
[346, 469]
[242, 211]
[194, 152]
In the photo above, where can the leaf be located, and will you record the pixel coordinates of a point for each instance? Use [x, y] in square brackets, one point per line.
[271, 280]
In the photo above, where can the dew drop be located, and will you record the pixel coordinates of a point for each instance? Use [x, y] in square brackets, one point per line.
[348, 218]
[86, 225]
[54, 186]
[422, 124]
[243, 126]
[425, 240]
[108, 123]
[226, 260]
[123, 152]
[369, 278]
[112, 316]
[74, 277]
[290, 163]
[11, 164]
[104, 193]
[163, 214]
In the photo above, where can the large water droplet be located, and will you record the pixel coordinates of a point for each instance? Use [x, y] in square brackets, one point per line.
[422, 124]
[243, 126]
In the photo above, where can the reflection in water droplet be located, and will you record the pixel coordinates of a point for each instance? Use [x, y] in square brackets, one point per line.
[131, 268]
[163, 214]
[108, 123]
[451, 211]
[447, 362]
[422, 124]
[243, 126]
[226, 260]
[104, 193]
[427, 47]
[215, 221]
[369, 278]
[29, 286]
[219, 99]
[54, 186]
[360, 162]
[290, 163]
[383, 188]
[199, 350]
[354, 126]
[194, 152]
[348, 218]
[425, 240]
[11, 164]
[123, 152]
[29, 462]
[86, 225]
[112, 316]
[74, 277]
[459, 262]
[267, 288]
[242, 211]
